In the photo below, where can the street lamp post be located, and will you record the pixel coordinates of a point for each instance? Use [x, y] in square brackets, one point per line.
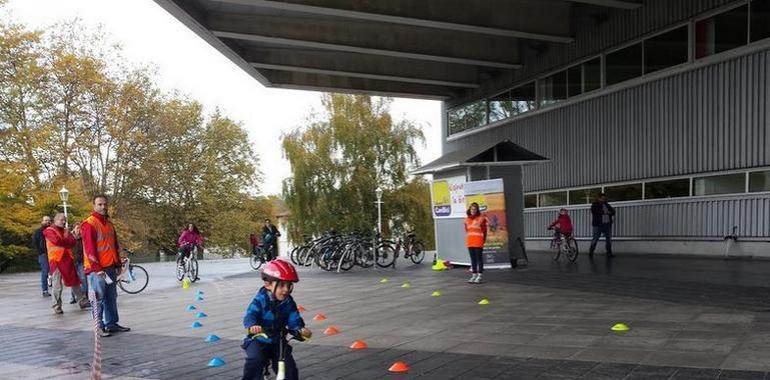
[378, 193]
[64, 194]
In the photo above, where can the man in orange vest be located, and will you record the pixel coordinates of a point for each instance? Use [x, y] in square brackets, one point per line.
[102, 265]
[59, 243]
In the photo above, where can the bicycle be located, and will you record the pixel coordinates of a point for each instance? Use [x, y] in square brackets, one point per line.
[566, 243]
[187, 266]
[261, 256]
[133, 278]
[283, 343]
[414, 249]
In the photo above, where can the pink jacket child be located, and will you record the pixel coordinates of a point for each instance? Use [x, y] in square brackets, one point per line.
[189, 238]
[563, 222]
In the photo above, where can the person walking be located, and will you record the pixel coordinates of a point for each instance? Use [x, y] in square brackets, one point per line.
[475, 237]
[59, 243]
[603, 215]
[38, 243]
[77, 254]
[102, 264]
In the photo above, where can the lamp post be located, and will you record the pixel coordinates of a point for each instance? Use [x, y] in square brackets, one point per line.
[64, 194]
[378, 193]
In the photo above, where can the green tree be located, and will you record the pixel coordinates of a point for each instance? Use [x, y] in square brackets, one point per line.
[338, 161]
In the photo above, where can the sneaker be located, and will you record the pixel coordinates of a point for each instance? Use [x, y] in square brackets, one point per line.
[117, 328]
[472, 279]
[46, 294]
[57, 309]
[84, 305]
[477, 280]
[73, 301]
[104, 333]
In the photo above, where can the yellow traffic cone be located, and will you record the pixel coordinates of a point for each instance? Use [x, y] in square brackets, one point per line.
[439, 265]
[620, 327]
[406, 285]
[484, 301]
[436, 294]
[186, 283]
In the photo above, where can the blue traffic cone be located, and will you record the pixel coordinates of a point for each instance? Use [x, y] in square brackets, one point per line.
[191, 307]
[201, 315]
[199, 293]
[199, 298]
[212, 338]
[196, 325]
[216, 362]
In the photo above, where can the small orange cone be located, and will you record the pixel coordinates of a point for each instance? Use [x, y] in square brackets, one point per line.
[319, 317]
[399, 367]
[300, 308]
[359, 345]
[331, 330]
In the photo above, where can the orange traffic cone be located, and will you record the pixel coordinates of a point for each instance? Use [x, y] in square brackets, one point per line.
[331, 330]
[359, 345]
[399, 367]
[300, 308]
[319, 317]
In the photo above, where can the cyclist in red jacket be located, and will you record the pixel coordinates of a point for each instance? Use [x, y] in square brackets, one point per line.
[562, 224]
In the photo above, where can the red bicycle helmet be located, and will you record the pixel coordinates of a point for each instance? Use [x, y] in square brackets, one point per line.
[280, 270]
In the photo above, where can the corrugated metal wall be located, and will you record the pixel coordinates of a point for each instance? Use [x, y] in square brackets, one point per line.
[695, 218]
[710, 119]
[592, 37]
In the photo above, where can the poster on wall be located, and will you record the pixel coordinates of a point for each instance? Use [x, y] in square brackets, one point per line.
[490, 196]
[448, 198]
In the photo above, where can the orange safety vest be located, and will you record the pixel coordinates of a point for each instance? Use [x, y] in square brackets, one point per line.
[105, 244]
[474, 234]
[55, 252]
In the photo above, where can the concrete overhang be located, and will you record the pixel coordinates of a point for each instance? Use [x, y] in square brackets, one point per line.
[424, 49]
[503, 153]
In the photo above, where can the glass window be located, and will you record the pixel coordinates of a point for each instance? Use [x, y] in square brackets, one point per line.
[592, 74]
[720, 184]
[667, 189]
[759, 181]
[665, 50]
[530, 200]
[553, 88]
[511, 103]
[556, 198]
[619, 193]
[466, 117]
[760, 19]
[583, 196]
[575, 80]
[624, 64]
[722, 32]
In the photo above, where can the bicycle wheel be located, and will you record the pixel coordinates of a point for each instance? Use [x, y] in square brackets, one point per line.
[418, 252]
[348, 260]
[137, 282]
[180, 269]
[193, 270]
[365, 256]
[255, 262]
[572, 249]
[556, 251]
[385, 255]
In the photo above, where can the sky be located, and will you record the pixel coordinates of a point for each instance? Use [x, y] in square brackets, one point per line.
[186, 63]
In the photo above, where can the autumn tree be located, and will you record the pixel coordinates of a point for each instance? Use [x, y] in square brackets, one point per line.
[339, 160]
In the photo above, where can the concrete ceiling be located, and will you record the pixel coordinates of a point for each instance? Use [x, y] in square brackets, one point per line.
[410, 48]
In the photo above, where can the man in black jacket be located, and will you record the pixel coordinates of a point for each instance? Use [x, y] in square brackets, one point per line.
[38, 243]
[602, 217]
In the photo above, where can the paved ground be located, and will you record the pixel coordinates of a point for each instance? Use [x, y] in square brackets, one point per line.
[689, 319]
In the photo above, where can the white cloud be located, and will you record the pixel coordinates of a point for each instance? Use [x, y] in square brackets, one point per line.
[186, 63]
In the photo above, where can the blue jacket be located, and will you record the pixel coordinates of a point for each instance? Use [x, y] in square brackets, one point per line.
[264, 308]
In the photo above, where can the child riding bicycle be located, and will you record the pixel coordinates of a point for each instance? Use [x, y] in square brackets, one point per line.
[562, 225]
[270, 316]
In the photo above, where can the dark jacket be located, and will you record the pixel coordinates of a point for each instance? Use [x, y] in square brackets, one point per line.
[38, 242]
[597, 212]
[272, 315]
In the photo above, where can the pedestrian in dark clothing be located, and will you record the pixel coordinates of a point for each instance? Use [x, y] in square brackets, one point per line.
[38, 243]
[270, 235]
[603, 215]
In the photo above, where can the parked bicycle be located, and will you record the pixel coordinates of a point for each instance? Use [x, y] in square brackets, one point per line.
[187, 265]
[564, 243]
[414, 249]
[133, 278]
